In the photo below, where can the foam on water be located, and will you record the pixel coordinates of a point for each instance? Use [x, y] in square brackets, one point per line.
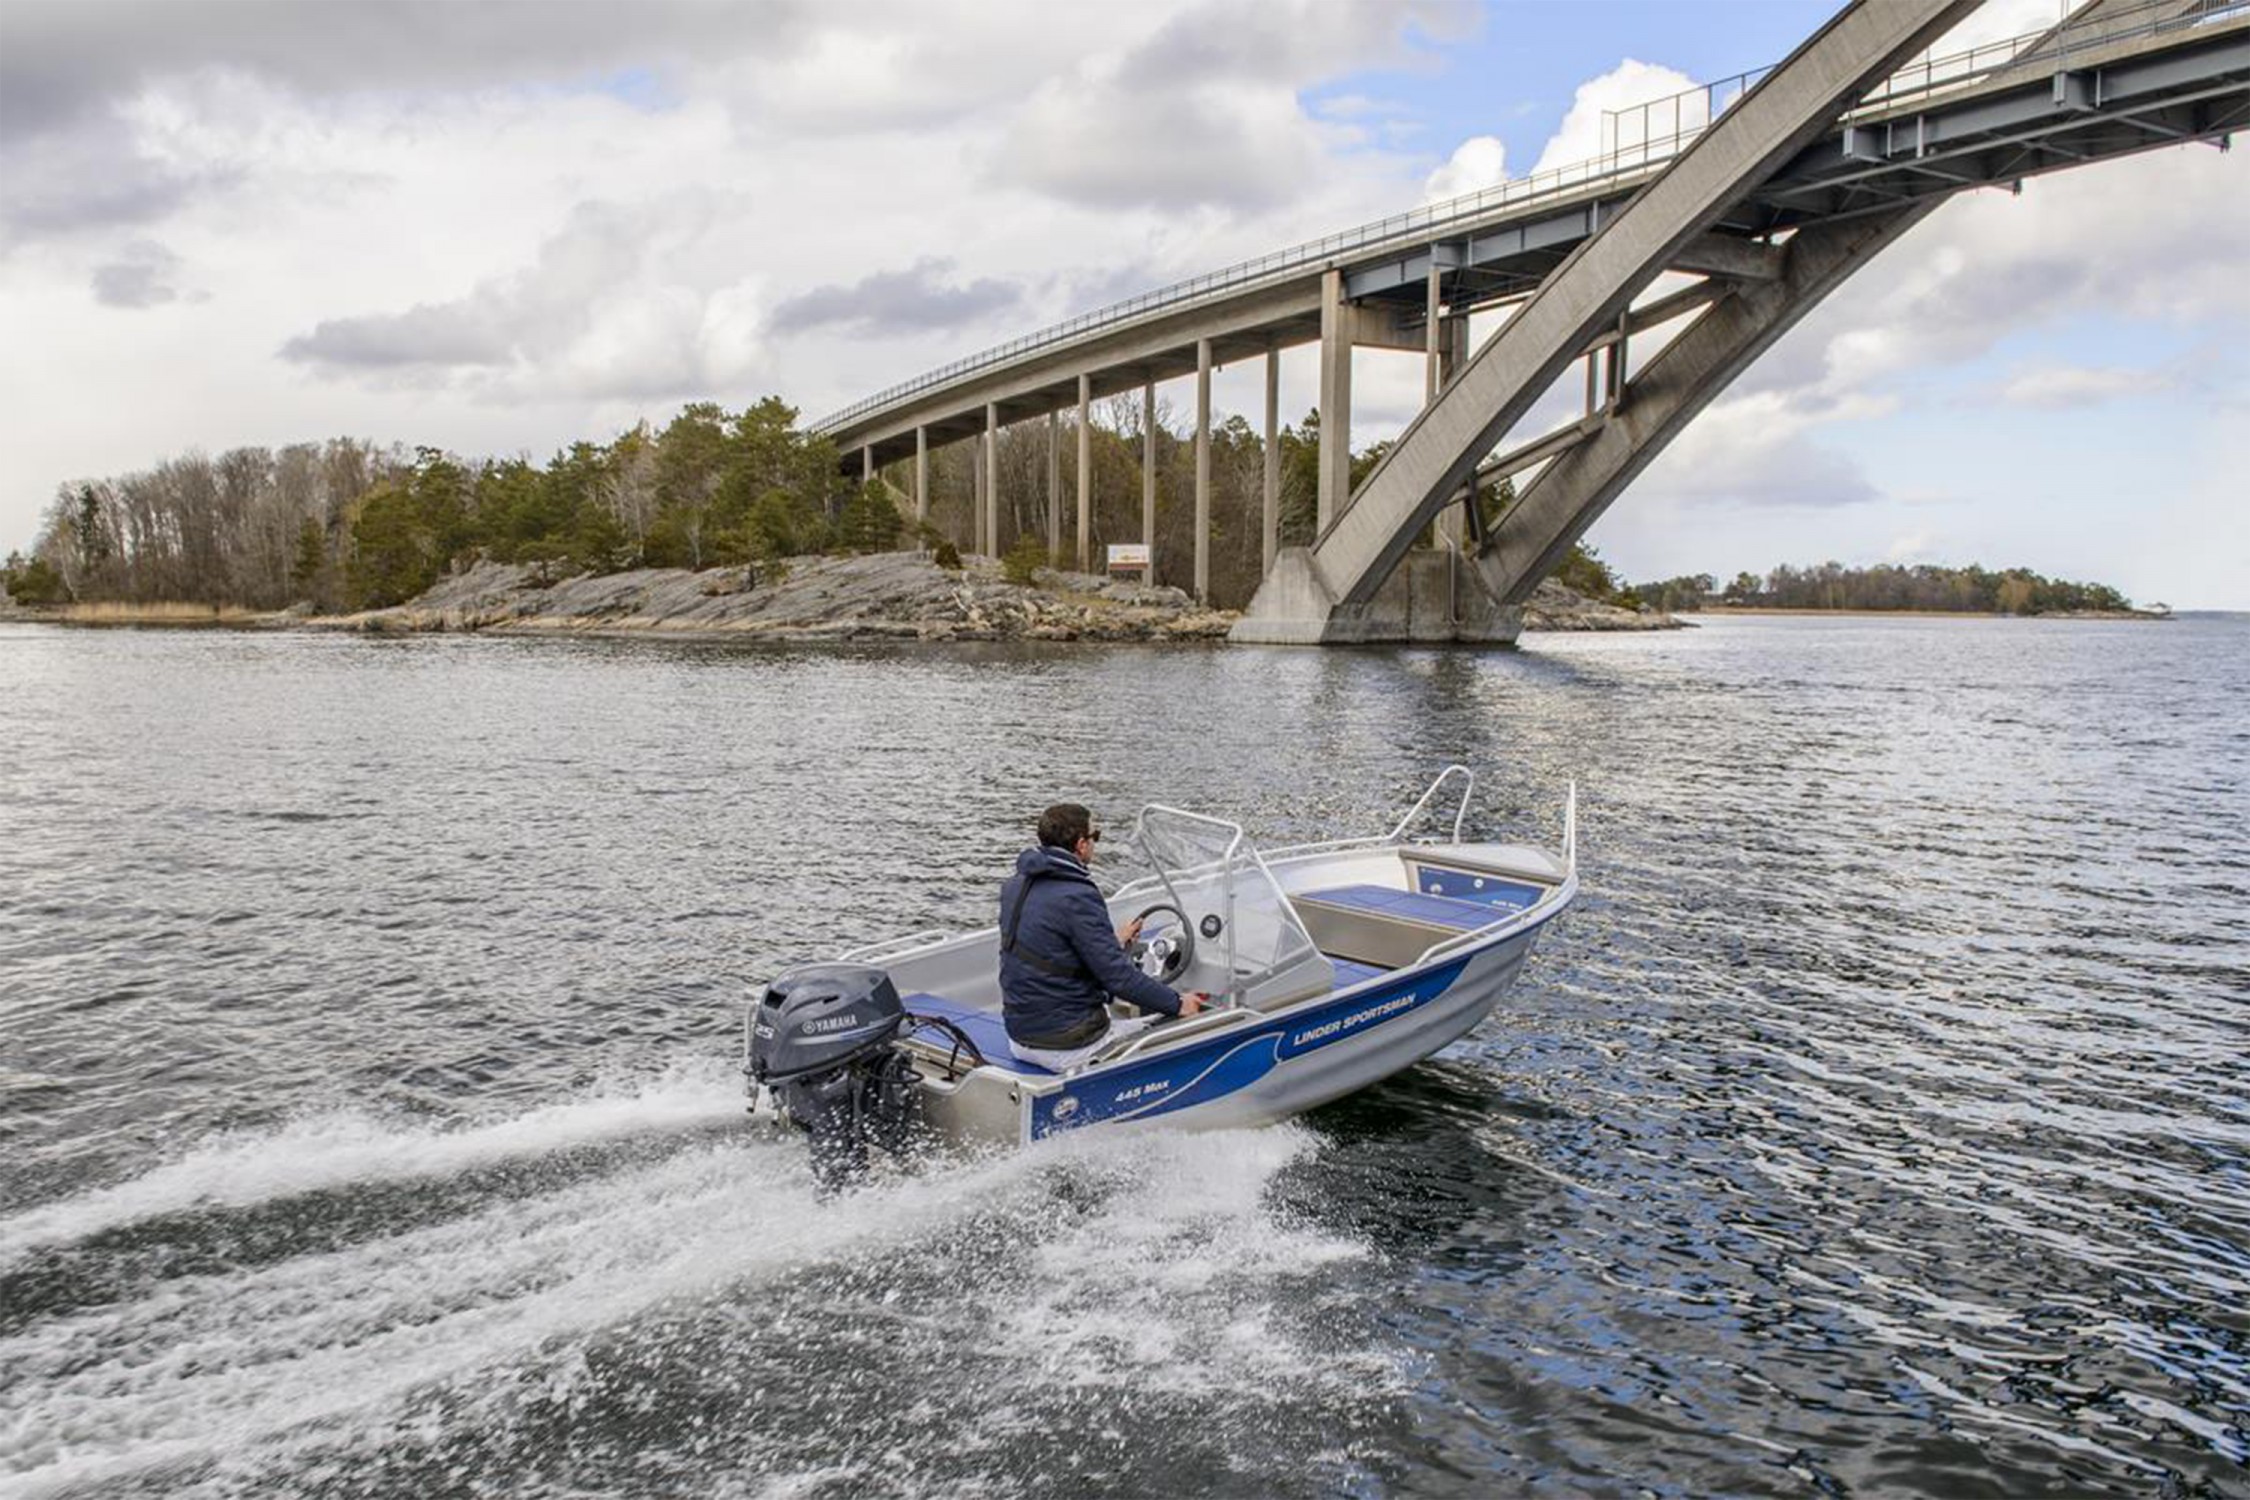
[222, 1380]
[339, 1148]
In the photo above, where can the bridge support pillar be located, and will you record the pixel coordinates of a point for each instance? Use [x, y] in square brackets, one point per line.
[1453, 354]
[1085, 476]
[1270, 514]
[988, 534]
[1148, 475]
[1054, 485]
[1335, 486]
[1433, 332]
[1444, 346]
[921, 476]
[1202, 470]
[1434, 595]
[975, 538]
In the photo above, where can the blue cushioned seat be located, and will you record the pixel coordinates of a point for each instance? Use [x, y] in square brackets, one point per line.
[1349, 972]
[1431, 911]
[983, 1027]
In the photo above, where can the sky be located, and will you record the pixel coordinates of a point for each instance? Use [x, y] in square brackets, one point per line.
[500, 228]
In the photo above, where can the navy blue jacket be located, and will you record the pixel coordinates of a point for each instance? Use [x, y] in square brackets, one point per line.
[1066, 961]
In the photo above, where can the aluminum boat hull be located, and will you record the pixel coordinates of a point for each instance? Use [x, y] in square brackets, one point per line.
[1284, 1064]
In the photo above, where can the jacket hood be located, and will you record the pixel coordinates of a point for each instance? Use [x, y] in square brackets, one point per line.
[1042, 860]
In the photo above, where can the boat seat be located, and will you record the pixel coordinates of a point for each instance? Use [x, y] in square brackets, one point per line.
[1349, 973]
[1415, 906]
[1385, 927]
[983, 1027]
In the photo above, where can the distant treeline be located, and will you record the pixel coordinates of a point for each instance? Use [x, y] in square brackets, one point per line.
[347, 524]
[1831, 585]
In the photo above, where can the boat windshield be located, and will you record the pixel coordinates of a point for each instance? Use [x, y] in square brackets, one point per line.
[1245, 928]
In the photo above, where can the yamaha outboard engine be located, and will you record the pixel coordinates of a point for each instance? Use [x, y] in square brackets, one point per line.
[820, 1039]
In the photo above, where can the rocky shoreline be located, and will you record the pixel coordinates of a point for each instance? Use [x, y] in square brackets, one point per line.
[887, 596]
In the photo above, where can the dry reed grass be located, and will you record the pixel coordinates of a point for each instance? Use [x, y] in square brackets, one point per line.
[155, 612]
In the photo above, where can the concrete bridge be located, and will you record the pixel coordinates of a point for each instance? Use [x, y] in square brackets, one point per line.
[1758, 196]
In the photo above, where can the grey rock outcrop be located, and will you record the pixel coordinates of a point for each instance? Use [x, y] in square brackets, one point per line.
[1553, 606]
[893, 595]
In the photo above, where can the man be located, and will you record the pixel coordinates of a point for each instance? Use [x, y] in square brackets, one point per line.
[1059, 962]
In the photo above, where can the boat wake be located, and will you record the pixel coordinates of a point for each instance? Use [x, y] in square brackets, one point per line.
[647, 1311]
[341, 1149]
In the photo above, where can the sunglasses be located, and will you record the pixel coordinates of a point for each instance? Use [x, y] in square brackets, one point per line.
[1093, 835]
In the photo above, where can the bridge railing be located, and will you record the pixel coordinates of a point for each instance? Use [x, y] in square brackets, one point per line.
[1637, 139]
[1415, 223]
[2056, 44]
[1675, 119]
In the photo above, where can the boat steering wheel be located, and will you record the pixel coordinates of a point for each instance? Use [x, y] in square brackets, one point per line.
[1165, 956]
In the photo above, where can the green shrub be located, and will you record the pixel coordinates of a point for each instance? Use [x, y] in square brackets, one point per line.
[1024, 560]
[33, 582]
[546, 561]
[947, 556]
[870, 522]
[1582, 569]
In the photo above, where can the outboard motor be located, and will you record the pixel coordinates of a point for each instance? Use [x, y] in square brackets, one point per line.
[820, 1039]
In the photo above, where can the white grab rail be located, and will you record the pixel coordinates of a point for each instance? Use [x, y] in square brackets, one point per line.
[1460, 814]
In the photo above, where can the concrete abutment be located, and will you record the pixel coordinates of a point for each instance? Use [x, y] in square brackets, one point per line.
[1432, 596]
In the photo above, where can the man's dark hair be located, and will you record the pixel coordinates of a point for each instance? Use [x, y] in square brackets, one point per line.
[1064, 824]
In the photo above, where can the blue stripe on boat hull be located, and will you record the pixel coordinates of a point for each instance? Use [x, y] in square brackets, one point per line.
[1231, 1062]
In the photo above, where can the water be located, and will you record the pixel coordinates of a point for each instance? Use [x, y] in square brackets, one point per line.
[1877, 1123]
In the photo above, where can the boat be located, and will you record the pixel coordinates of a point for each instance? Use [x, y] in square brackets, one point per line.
[1330, 966]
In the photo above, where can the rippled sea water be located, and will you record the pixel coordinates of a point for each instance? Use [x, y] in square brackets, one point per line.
[1877, 1124]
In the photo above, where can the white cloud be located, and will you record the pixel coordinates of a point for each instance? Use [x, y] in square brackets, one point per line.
[1757, 450]
[2162, 236]
[2066, 387]
[1093, 142]
[614, 303]
[1203, 111]
[1997, 20]
[927, 296]
[141, 276]
[1632, 104]
[1479, 162]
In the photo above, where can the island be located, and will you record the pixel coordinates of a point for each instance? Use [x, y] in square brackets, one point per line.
[742, 524]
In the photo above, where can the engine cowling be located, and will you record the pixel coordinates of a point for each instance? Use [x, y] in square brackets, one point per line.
[820, 1017]
[820, 1040]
